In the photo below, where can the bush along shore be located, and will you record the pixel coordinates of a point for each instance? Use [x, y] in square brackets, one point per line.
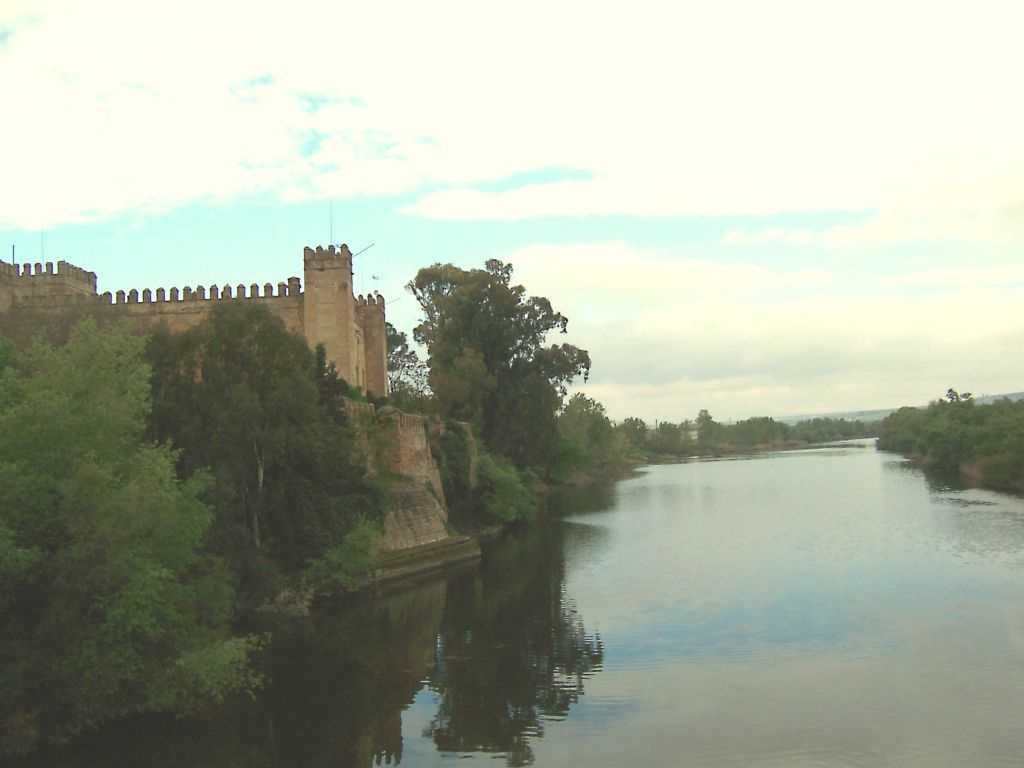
[984, 444]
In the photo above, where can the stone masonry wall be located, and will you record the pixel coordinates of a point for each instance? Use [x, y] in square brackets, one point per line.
[36, 298]
[414, 518]
[396, 443]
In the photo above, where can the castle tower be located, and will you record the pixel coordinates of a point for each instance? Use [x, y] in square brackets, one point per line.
[375, 343]
[28, 282]
[329, 314]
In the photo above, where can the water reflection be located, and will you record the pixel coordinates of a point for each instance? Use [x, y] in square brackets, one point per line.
[501, 646]
[967, 521]
[816, 608]
[512, 653]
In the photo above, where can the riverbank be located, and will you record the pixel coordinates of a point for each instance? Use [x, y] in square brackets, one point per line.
[394, 566]
[981, 444]
[812, 579]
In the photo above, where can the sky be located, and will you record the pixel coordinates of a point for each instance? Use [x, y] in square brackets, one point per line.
[754, 208]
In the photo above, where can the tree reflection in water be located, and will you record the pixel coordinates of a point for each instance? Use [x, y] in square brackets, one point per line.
[512, 652]
[501, 645]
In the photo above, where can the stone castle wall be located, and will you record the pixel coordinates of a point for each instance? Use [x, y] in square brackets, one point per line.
[352, 329]
[396, 443]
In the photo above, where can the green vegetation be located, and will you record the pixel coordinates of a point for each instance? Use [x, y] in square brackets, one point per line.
[706, 437]
[151, 489]
[488, 362]
[407, 374]
[481, 488]
[984, 443]
[490, 370]
[589, 444]
[109, 601]
[245, 399]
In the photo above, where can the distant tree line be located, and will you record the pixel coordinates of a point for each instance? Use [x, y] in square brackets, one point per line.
[706, 437]
[984, 443]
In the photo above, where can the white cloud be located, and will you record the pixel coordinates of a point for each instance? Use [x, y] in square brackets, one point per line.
[957, 278]
[675, 109]
[669, 336]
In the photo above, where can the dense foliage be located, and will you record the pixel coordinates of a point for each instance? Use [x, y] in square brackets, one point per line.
[242, 396]
[480, 488]
[109, 603]
[588, 441]
[983, 442]
[488, 361]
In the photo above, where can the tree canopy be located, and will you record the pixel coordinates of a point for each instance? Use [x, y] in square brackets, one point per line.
[407, 374]
[247, 399]
[108, 603]
[957, 434]
[489, 363]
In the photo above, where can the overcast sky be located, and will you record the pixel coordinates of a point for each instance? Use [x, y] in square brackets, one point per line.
[756, 208]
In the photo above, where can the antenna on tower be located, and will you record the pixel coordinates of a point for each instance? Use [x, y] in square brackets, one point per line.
[362, 250]
[331, 217]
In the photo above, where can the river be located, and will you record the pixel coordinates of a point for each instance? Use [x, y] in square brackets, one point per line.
[825, 607]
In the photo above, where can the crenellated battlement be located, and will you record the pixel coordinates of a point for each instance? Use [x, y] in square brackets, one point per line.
[291, 289]
[370, 302]
[320, 307]
[330, 253]
[32, 275]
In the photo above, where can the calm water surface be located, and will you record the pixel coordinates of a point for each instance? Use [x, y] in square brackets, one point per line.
[829, 607]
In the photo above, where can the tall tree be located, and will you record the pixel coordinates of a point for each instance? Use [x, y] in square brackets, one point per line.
[108, 604]
[407, 374]
[244, 397]
[489, 363]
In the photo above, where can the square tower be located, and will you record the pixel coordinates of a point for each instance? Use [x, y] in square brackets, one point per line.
[329, 316]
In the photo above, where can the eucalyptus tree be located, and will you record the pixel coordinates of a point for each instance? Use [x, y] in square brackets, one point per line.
[489, 362]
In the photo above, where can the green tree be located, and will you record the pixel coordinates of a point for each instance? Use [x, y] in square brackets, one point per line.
[407, 374]
[709, 431]
[635, 431]
[108, 604]
[956, 434]
[243, 397]
[759, 431]
[488, 360]
[670, 439]
[589, 441]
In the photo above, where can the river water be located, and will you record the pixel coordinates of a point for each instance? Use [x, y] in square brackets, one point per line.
[826, 607]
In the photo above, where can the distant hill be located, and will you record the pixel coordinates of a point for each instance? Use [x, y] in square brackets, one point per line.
[877, 415]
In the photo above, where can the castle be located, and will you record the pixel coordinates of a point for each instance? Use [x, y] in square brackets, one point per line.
[321, 307]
